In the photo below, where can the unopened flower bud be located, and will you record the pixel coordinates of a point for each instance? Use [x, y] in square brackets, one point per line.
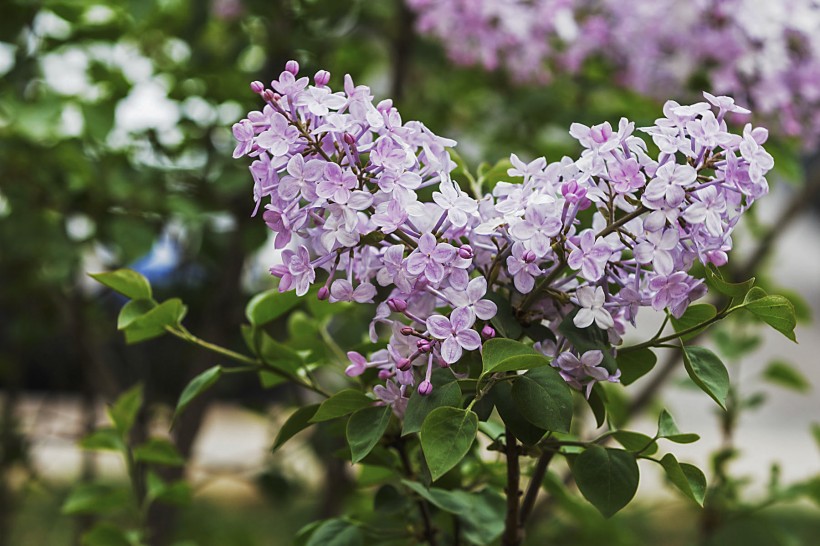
[257, 87]
[403, 364]
[323, 293]
[269, 95]
[407, 330]
[425, 388]
[292, 67]
[385, 374]
[529, 256]
[466, 252]
[488, 332]
[349, 139]
[424, 346]
[397, 305]
[322, 78]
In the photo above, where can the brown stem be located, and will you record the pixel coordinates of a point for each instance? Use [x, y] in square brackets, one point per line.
[512, 532]
[535, 486]
[429, 530]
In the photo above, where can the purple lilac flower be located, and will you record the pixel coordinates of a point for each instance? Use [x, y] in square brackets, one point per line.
[341, 195]
[455, 333]
[589, 255]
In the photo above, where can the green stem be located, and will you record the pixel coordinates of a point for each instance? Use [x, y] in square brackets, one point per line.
[659, 341]
[254, 363]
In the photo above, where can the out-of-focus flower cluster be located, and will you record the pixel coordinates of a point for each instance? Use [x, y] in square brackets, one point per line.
[364, 205]
[763, 53]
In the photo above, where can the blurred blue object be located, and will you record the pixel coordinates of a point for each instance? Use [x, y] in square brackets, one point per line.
[161, 263]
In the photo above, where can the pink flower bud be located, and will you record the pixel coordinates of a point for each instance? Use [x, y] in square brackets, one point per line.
[385, 374]
[323, 293]
[488, 332]
[321, 78]
[466, 252]
[529, 256]
[257, 87]
[269, 95]
[292, 67]
[403, 364]
[425, 388]
[407, 330]
[424, 346]
[397, 305]
[350, 139]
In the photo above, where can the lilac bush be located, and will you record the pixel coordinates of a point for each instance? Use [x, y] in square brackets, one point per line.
[496, 304]
[346, 184]
[762, 53]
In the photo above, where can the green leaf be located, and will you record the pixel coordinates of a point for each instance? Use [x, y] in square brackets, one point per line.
[340, 404]
[815, 431]
[364, 430]
[197, 386]
[152, 324]
[270, 305]
[544, 399]
[92, 498]
[786, 375]
[666, 425]
[278, 355]
[129, 283]
[776, 311]
[481, 514]
[449, 501]
[686, 477]
[158, 451]
[418, 407]
[597, 403]
[105, 534]
[496, 353]
[488, 177]
[178, 492]
[336, 532]
[297, 422]
[608, 478]
[104, 439]
[707, 372]
[522, 429]
[636, 442]
[124, 411]
[695, 315]
[735, 345]
[669, 430]
[635, 364]
[733, 290]
[268, 380]
[483, 523]
[446, 436]
[133, 310]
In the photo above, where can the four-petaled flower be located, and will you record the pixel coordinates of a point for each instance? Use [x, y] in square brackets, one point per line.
[592, 309]
[455, 333]
[471, 298]
[589, 255]
[430, 257]
[295, 271]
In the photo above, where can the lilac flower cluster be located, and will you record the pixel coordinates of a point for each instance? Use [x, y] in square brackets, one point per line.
[341, 182]
[761, 52]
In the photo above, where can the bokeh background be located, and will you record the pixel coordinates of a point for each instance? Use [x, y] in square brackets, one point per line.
[115, 151]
